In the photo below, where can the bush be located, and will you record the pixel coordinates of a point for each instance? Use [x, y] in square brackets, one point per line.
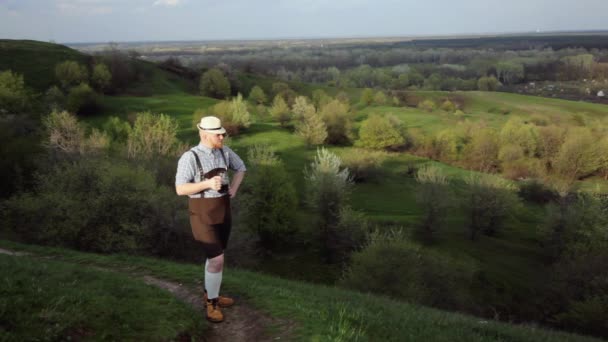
[394, 266]
[71, 73]
[329, 188]
[433, 195]
[481, 153]
[488, 83]
[427, 105]
[378, 132]
[65, 134]
[101, 77]
[152, 135]
[447, 106]
[214, 84]
[82, 100]
[280, 111]
[268, 199]
[312, 128]
[488, 202]
[533, 190]
[336, 116]
[94, 205]
[364, 165]
[257, 95]
[13, 95]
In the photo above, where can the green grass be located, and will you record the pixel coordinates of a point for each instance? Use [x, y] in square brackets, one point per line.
[36, 61]
[55, 300]
[321, 313]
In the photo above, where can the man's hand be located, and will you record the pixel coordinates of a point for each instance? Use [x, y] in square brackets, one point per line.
[214, 183]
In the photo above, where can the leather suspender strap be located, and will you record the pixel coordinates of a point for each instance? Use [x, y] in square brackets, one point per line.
[200, 167]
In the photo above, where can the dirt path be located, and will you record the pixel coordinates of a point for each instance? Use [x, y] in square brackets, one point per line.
[242, 321]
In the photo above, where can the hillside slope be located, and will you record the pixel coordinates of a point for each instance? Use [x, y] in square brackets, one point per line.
[36, 60]
[316, 312]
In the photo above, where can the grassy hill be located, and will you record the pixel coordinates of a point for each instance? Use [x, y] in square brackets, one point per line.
[36, 60]
[60, 294]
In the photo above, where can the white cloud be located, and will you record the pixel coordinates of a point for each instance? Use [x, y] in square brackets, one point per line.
[170, 3]
[85, 7]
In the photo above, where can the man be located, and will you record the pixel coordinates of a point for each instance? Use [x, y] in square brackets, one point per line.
[202, 175]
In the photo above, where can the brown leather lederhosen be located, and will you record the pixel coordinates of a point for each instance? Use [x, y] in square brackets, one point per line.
[210, 219]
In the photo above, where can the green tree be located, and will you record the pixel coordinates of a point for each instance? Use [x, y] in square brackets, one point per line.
[329, 186]
[280, 111]
[510, 72]
[380, 98]
[101, 77]
[515, 131]
[64, 133]
[152, 135]
[257, 95]
[301, 108]
[489, 201]
[488, 83]
[13, 95]
[336, 116]
[580, 155]
[481, 153]
[268, 198]
[214, 84]
[320, 98]
[378, 132]
[367, 96]
[312, 128]
[434, 196]
[71, 73]
[82, 100]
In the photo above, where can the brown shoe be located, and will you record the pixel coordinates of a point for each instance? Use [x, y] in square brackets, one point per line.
[223, 302]
[214, 314]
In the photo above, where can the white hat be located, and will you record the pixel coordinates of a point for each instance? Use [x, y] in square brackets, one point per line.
[211, 124]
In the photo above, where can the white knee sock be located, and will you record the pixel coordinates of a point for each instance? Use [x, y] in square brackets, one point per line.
[213, 281]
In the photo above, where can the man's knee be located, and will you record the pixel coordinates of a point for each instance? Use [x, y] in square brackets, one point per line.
[216, 264]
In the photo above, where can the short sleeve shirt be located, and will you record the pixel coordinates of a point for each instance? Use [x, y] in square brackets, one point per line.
[211, 158]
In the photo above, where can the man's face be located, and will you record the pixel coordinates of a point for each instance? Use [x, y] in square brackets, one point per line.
[214, 140]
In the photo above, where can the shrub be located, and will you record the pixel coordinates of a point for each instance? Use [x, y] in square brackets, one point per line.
[214, 84]
[481, 153]
[380, 98]
[378, 132]
[516, 132]
[268, 198]
[312, 129]
[257, 95]
[13, 95]
[580, 155]
[488, 83]
[533, 190]
[71, 73]
[390, 264]
[152, 135]
[447, 106]
[363, 165]
[367, 96]
[489, 200]
[427, 105]
[336, 116]
[101, 77]
[82, 100]
[93, 205]
[280, 111]
[433, 195]
[329, 188]
[65, 134]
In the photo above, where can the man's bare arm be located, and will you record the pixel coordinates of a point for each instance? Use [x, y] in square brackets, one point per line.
[236, 183]
[214, 183]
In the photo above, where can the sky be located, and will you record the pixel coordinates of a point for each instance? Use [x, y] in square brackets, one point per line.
[73, 21]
